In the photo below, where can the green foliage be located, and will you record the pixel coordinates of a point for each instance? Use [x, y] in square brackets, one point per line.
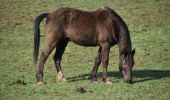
[149, 25]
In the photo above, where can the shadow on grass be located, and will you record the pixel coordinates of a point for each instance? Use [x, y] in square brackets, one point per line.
[140, 75]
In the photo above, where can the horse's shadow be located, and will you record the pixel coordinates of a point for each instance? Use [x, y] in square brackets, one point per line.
[139, 75]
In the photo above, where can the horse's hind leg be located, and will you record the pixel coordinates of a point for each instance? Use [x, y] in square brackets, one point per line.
[97, 62]
[50, 45]
[57, 59]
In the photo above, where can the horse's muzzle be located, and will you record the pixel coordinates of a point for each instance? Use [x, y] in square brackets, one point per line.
[129, 81]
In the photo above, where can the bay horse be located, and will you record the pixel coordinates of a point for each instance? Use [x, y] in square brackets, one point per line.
[103, 28]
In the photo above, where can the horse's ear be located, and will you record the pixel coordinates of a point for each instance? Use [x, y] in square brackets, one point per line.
[133, 52]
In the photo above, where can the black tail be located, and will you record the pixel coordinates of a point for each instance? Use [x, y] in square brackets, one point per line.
[36, 30]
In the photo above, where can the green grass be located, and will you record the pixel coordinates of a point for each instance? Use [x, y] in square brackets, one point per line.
[149, 25]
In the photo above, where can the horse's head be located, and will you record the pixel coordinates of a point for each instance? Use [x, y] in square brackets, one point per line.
[126, 64]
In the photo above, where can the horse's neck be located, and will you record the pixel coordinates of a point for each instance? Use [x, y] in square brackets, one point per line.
[124, 43]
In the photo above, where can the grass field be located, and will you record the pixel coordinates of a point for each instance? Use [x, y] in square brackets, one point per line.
[149, 25]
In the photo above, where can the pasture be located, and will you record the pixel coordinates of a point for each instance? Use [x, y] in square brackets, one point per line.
[149, 26]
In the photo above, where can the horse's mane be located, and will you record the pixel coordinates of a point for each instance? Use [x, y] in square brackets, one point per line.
[124, 39]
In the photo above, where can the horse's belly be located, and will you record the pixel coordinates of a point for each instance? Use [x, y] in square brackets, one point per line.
[84, 41]
[82, 36]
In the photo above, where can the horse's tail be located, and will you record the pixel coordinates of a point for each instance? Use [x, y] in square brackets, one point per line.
[36, 30]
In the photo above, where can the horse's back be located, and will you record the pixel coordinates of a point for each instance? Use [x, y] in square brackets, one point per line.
[85, 28]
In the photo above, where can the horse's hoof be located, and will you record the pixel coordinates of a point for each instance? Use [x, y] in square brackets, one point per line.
[108, 82]
[60, 77]
[93, 78]
[64, 80]
[40, 83]
[61, 80]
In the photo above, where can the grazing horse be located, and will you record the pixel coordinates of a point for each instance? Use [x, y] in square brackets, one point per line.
[103, 28]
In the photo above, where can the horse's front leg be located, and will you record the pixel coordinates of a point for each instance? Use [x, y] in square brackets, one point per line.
[97, 62]
[105, 61]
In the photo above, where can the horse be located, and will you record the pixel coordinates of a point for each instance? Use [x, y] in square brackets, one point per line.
[103, 28]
